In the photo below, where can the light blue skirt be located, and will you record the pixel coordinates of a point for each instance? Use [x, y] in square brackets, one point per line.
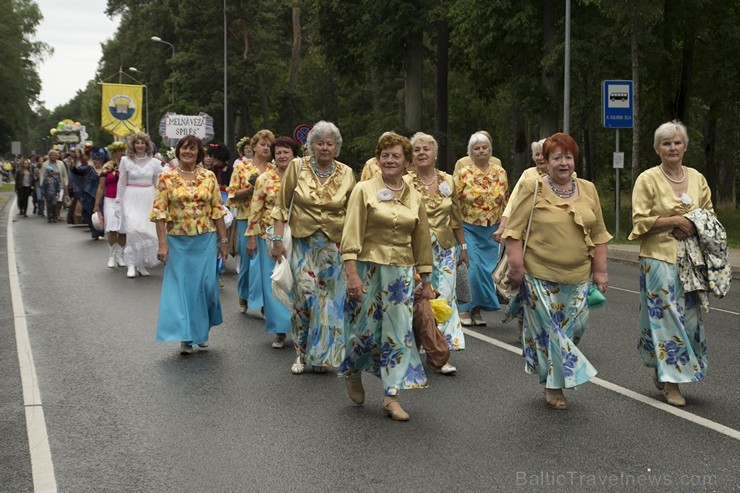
[378, 333]
[444, 280]
[242, 282]
[277, 316]
[483, 256]
[553, 314]
[189, 305]
[672, 337]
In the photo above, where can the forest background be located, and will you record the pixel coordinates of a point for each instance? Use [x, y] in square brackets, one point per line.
[447, 68]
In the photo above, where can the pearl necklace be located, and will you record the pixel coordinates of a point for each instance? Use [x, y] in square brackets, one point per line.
[322, 174]
[185, 171]
[427, 185]
[671, 179]
[563, 194]
[403, 184]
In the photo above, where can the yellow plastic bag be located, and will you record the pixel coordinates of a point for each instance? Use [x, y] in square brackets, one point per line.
[442, 311]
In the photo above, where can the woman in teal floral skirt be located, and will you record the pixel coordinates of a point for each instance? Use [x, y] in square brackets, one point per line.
[385, 236]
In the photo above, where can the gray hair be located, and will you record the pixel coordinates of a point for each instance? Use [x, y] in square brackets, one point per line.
[668, 130]
[536, 145]
[322, 130]
[477, 138]
[421, 136]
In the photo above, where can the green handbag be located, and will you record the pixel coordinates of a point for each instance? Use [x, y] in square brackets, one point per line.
[595, 298]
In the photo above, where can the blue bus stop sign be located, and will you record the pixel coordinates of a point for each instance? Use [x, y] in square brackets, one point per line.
[617, 109]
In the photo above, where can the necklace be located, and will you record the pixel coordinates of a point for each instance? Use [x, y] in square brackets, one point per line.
[186, 171]
[671, 179]
[563, 194]
[322, 174]
[427, 185]
[394, 189]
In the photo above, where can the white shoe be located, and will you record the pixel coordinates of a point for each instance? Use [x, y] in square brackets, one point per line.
[119, 255]
[143, 271]
[186, 348]
[448, 369]
[112, 257]
[131, 272]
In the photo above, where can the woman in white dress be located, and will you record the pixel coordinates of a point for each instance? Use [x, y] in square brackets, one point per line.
[138, 176]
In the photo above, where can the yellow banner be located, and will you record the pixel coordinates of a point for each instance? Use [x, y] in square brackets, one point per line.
[121, 109]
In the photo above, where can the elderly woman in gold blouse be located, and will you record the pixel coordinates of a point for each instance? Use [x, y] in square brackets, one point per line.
[437, 189]
[240, 190]
[565, 249]
[672, 339]
[318, 186]
[386, 235]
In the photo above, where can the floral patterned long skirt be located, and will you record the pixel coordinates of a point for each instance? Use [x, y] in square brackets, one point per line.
[319, 292]
[553, 313]
[444, 280]
[672, 335]
[378, 333]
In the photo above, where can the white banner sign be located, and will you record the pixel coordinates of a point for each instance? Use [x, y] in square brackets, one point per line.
[178, 126]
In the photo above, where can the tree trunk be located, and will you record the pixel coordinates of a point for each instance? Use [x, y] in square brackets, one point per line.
[295, 52]
[264, 104]
[413, 86]
[375, 89]
[710, 135]
[635, 55]
[441, 112]
[549, 116]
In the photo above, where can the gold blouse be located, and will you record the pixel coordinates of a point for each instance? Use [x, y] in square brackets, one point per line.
[370, 170]
[482, 194]
[188, 208]
[467, 161]
[317, 206]
[652, 198]
[443, 208]
[243, 171]
[528, 174]
[563, 235]
[385, 230]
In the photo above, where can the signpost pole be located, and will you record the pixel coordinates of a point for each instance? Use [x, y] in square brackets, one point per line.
[616, 229]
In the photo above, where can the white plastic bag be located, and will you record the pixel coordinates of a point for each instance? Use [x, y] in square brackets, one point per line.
[282, 283]
[287, 239]
[228, 218]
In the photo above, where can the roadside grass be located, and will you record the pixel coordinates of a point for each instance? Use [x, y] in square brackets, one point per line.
[7, 187]
[728, 216]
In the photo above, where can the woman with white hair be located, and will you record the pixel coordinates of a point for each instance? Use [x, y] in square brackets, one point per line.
[672, 339]
[314, 194]
[483, 190]
[138, 174]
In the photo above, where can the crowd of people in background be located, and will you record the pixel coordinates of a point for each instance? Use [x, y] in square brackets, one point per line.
[359, 250]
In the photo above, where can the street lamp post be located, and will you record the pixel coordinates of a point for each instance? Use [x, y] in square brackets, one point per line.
[146, 95]
[160, 40]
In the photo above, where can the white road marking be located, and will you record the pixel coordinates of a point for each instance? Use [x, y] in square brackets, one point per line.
[712, 425]
[42, 467]
[711, 308]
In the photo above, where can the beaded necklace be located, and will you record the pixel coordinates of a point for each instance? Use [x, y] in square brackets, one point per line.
[322, 174]
[671, 179]
[563, 194]
[427, 185]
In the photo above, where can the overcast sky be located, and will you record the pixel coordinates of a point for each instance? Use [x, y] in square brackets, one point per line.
[75, 29]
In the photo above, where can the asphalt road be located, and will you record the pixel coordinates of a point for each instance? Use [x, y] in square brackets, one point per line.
[125, 413]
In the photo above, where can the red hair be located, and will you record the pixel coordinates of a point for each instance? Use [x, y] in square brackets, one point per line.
[561, 141]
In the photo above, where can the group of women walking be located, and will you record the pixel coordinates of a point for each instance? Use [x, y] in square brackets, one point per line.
[358, 250]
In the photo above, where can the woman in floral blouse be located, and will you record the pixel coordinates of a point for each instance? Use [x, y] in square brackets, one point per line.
[672, 339]
[191, 232]
[241, 188]
[385, 237]
[319, 187]
[266, 189]
[483, 190]
[437, 189]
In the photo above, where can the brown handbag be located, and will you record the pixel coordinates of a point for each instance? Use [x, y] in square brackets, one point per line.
[427, 334]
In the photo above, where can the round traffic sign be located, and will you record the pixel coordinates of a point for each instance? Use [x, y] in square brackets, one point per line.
[300, 134]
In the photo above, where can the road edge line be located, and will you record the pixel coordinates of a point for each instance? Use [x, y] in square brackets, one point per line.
[631, 394]
[42, 467]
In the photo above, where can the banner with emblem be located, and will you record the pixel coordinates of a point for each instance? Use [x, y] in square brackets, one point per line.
[121, 109]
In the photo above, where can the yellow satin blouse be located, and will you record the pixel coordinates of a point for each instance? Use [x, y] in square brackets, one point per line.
[385, 230]
[317, 207]
[652, 198]
[443, 208]
[528, 174]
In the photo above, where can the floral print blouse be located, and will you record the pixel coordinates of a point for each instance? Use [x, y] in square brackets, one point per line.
[188, 208]
[483, 194]
[243, 171]
[266, 189]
